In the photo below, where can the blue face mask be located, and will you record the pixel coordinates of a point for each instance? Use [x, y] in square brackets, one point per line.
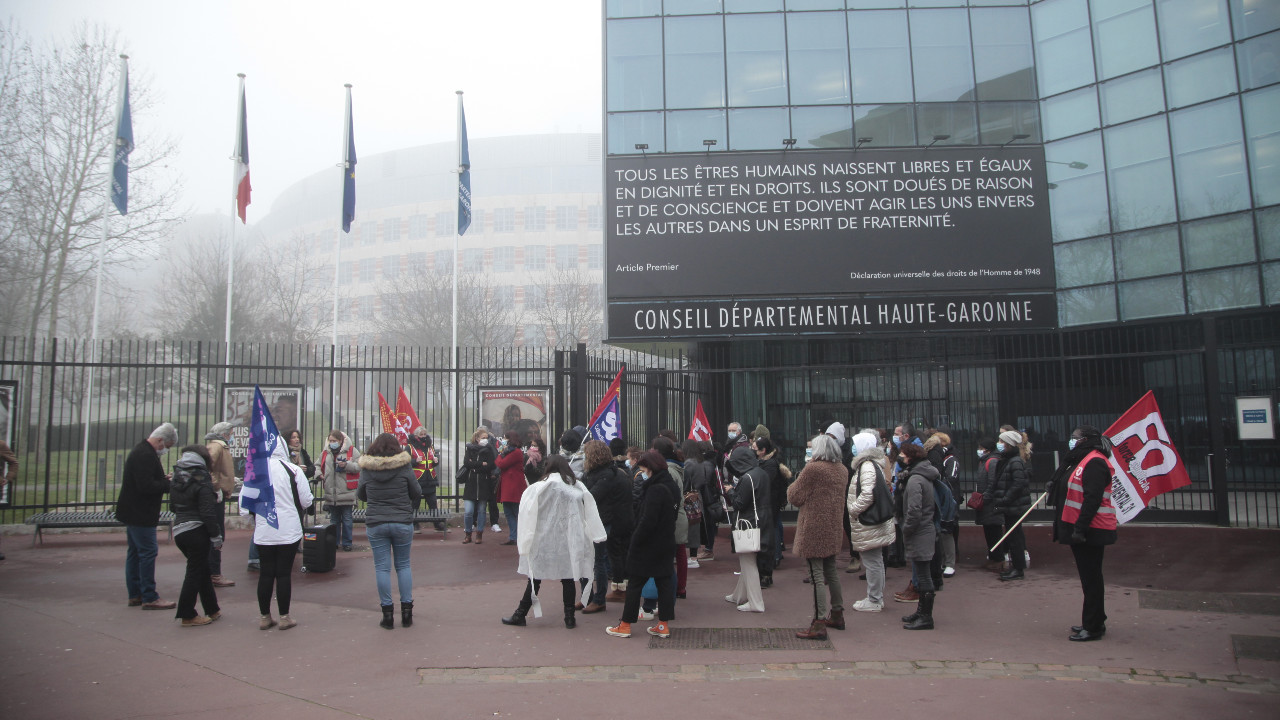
[897, 441]
[808, 454]
[334, 445]
[645, 475]
[1000, 447]
[628, 464]
[1071, 444]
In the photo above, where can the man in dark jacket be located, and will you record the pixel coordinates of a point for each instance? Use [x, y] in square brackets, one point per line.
[142, 490]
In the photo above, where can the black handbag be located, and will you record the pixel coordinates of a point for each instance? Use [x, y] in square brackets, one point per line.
[881, 508]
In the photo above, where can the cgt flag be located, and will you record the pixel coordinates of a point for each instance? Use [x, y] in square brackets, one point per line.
[257, 495]
[606, 421]
[124, 143]
[390, 423]
[701, 428]
[408, 419]
[1144, 463]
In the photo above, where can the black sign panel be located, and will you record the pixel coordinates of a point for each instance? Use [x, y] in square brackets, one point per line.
[936, 225]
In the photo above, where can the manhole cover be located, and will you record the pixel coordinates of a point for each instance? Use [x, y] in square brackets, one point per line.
[1238, 603]
[1255, 647]
[736, 639]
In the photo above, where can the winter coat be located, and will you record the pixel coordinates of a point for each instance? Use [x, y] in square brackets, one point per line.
[859, 498]
[336, 492]
[777, 483]
[223, 467]
[1012, 494]
[1095, 479]
[511, 482]
[556, 533]
[750, 496]
[480, 461]
[653, 546]
[387, 484]
[142, 487]
[819, 494]
[612, 490]
[532, 464]
[192, 497]
[988, 515]
[427, 481]
[288, 528]
[577, 460]
[682, 531]
[918, 510]
[936, 453]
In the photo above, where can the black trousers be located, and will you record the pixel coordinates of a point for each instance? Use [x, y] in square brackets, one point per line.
[215, 554]
[568, 592]
[992, 533]
[666, 597]
[195, 545]
[275, 574]
[1016, 545]
[1093, 616]
[616, 546]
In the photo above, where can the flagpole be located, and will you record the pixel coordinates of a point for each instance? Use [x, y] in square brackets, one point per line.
[231, 249]
[457, 237]
[1015, 525]
[337, 256]
[91, 371]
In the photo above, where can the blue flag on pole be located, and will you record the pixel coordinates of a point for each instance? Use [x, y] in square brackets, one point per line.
[257, 496]
[348, 171]
[464, 172]
[123, 145]
[606, 421]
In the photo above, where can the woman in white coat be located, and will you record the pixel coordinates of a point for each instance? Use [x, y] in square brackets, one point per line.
[868, 469]
[277, 546]
[557, 530]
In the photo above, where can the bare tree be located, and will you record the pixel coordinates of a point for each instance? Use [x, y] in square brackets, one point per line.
[571, 308]
[295, 313]
[195, 290]
[417, 309]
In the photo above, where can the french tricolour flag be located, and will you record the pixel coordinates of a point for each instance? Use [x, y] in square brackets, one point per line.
[241, 158]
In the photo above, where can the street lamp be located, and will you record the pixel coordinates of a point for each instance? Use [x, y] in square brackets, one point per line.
[708, 144]
[788, 143]
[1074, 164]
[1016, 138]
[937, 138]
[642, 147]
[862, 141]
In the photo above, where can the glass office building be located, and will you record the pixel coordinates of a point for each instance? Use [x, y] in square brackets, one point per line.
[1160, 122]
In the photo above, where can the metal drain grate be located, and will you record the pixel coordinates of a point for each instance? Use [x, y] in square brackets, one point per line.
[1255, 647]
[736, 639]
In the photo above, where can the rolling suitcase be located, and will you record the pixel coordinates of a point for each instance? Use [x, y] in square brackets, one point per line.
[319, 548]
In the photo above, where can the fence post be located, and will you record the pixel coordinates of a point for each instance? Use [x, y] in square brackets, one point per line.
[578, 397]
[652, 405]
[1213, 413]
[48, 435]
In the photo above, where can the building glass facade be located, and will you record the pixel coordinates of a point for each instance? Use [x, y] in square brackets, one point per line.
[1160, 118]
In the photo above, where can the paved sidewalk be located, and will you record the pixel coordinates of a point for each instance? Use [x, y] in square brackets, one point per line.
[70, 648]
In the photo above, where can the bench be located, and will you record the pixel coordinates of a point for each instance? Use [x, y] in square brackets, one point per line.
[99, 518]
[419, 516]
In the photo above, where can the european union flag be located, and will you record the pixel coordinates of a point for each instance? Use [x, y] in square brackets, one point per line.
[348, 172]
[124, 143]
[464, 172]
[257, 496]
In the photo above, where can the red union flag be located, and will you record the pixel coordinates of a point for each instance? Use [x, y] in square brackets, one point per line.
[1144, 463]
[700, 429]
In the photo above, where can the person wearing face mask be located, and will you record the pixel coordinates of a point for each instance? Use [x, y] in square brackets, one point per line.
[1085, 519]
[736, 439]
[991, 521]
[1010, 498]
[652, 552]
[478, 461]
[339, 471]
[142, 490]
[222, 468]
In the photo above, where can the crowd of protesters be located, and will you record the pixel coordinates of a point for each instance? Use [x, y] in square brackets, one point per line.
[614, 522]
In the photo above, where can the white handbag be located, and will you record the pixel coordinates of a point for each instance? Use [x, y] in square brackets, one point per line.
[746, 539]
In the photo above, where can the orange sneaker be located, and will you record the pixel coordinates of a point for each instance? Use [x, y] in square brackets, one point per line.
[661, 630]
[622, 629]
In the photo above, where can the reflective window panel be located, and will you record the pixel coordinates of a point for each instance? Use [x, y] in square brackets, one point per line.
[1189, 26]
[1083, 262]
[955, 120]
[1064, 48]
[1124, 36]
[1139, 174]
[1131, 97]
[758, 128]
[1201, 78]
[1077, 187]
[815, 4]
[1148, 252]
[1218, 241]
[633, 8]
[757, 60]
[1002, 54]
[822, 127]
[695, 61]
[1084, 306]
[1254, 17]
[750, 6]
[1157, 297]
[998, 122]
[886, 125]
[942, 62]
[1070, 113]
[1208, 156]
[1269, 233]
[1259, 61]
[690, 7]
[688, 128]
[880, 57]
[1262, 128]
[1271, 282]
[818, 48]
[634, 64]
[1223, 289]
[626, 130]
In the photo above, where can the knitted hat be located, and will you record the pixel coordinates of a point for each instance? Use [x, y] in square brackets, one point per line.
[760, 432]
[1011, 438]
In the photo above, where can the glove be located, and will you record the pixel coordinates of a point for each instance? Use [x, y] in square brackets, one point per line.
[1077, 536]
[217, 542]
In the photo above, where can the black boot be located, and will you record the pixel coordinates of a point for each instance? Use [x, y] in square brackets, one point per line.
[406, 614]
[569, 621]
[1012, 574]
[517, 617]
[924, 618]
[388, 619]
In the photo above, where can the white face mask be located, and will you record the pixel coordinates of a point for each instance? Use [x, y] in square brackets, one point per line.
[335, 445]
[1000, 447]
[484, 441]
[1071, 444]
[981, 453]
[163, 451]
[733, 435]
[808, 454]
[645, 475]
[628, 464]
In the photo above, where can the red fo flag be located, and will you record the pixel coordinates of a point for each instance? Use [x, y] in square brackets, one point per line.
[1144, 463]
[701, 428]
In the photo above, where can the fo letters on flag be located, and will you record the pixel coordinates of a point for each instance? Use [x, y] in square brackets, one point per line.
[1144, 462]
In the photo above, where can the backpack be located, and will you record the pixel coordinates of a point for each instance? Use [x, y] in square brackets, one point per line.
[945, 503]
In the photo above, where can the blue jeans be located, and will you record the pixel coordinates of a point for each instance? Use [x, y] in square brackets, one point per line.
[340, 515]
[512, 511]
[389, 539]
[140, 563]
[472, 515]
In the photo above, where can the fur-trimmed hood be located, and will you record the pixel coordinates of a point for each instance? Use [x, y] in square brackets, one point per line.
[379, 462]
[938, 439]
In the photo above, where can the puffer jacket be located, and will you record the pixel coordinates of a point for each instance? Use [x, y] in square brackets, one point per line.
[652, 551]
[336, 492]
[511, 481]
[611, 489]
[819, 494]
[859, 498]
[750, 496]
[480, 462]
[388, 485]
[918, 511]
[988, 515]
[192, 497]
[1012, 493]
